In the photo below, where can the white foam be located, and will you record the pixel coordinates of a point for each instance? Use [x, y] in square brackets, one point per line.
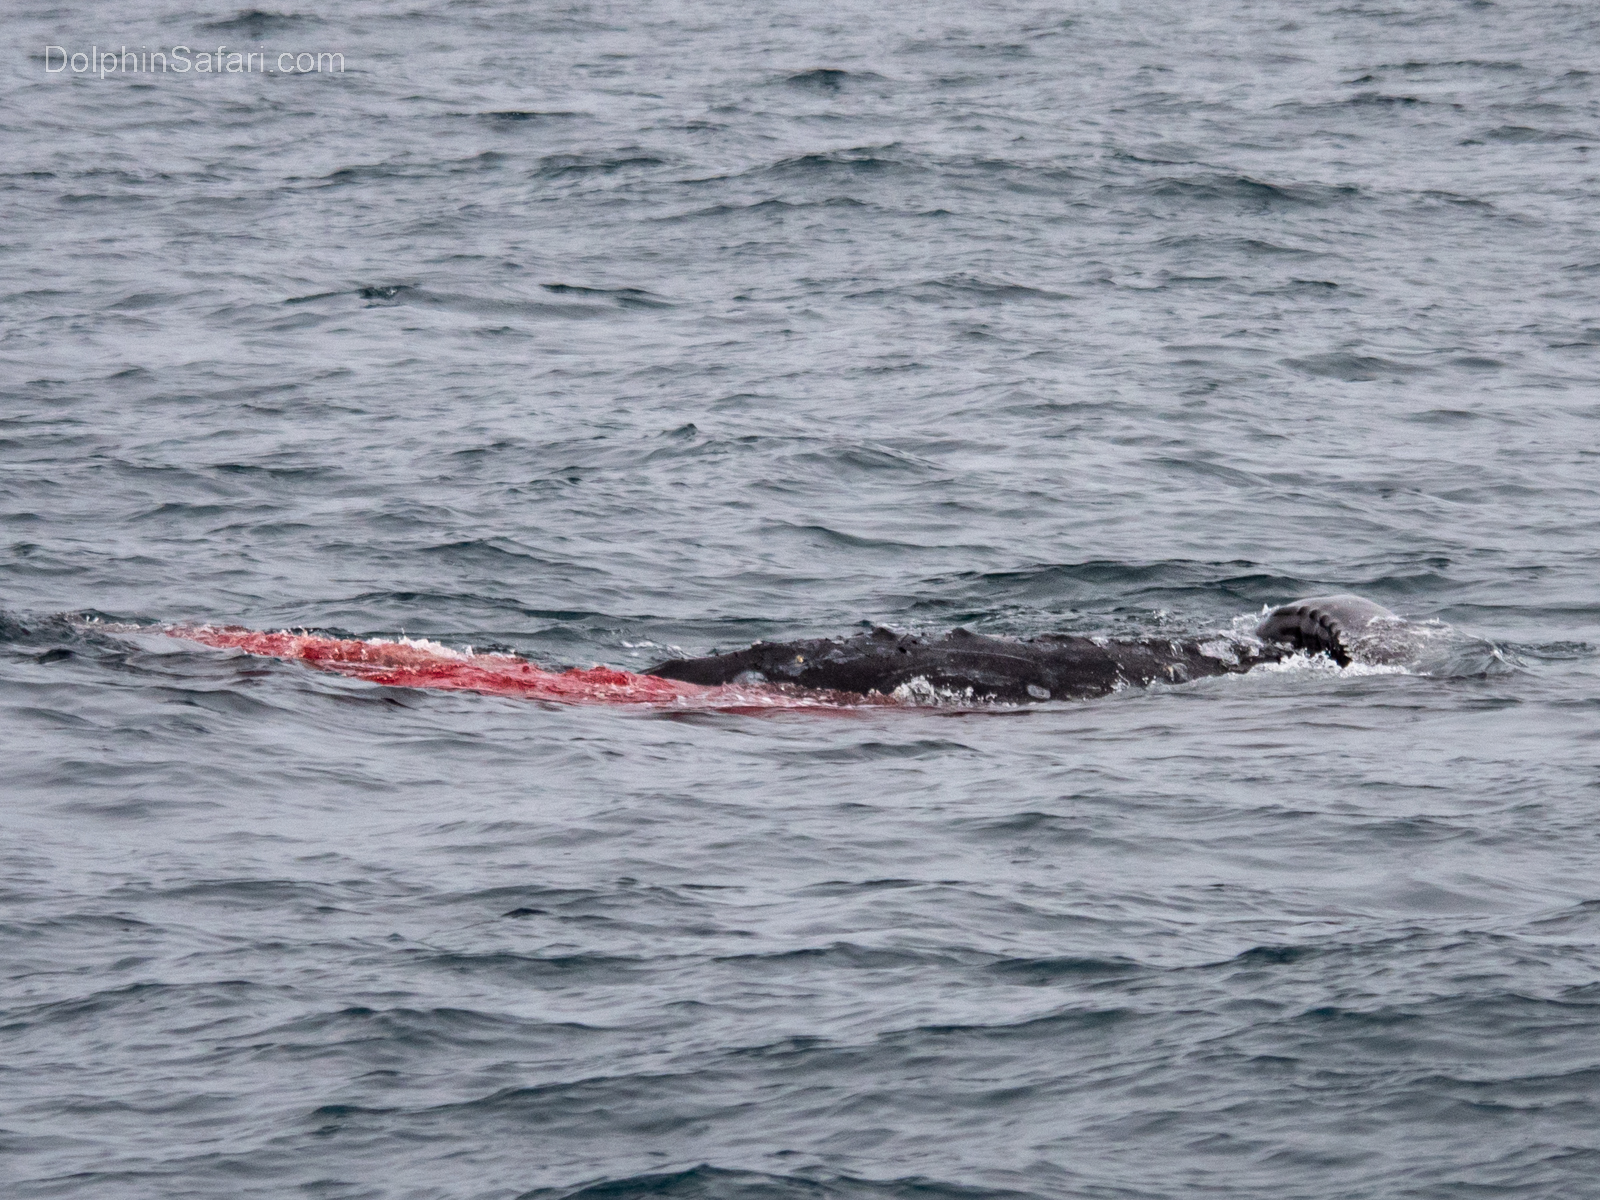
[100, 626]
[1221, 649]
[1321, 664]
[430, 646]
[919, 691]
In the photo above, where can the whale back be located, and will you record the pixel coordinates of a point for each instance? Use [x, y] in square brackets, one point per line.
[1339, 626]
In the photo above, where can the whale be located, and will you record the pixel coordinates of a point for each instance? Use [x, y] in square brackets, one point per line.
[876, 668]
[971, 666]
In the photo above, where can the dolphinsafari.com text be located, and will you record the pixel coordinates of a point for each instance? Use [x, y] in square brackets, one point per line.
[182, 60]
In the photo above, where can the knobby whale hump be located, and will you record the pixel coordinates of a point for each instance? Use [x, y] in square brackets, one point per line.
[1339, 626]
[967, 665]
[1051, 667]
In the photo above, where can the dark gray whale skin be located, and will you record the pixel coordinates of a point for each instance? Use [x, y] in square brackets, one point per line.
[1051, 667]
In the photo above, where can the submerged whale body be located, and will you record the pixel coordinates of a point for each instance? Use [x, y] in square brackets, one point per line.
[966, 665]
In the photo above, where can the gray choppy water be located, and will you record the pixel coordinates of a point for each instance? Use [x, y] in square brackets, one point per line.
[595, 329]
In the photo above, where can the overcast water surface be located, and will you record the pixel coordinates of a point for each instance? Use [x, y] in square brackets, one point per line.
[602, 332]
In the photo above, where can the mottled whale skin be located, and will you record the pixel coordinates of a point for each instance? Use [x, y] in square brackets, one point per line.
[1051, 667]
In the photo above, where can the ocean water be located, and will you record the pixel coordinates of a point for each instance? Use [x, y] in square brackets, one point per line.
[601, 332]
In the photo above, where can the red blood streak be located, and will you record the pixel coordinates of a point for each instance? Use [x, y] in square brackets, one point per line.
[428, 665]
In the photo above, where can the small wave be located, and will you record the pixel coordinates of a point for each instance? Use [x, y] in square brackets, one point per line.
[1385, 100]
[1102, 584]
[1271, 956]
[771, 208]
[1354, 368]
[590, 967]
[706, 1182]
[964, 286]
[1049, 1026]
[859, 461]
[1551, 651]
[494, 553]
[862, 160]
[1473, 64]
[1243, 189]
[828, 536]
[383, 1031]
[558, 166]
[626, 296]
[139, 301]
[97, 1007]
[256, 23]
[513, 116]
[1051, 828]
[877, 751]
[402, 170]
[840, 955]
[847, 887]
[1526, 133]
[238, 893]
[113, 924]
[577, 301]
[1250, 247]
[1044, 971]
[831, 80]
